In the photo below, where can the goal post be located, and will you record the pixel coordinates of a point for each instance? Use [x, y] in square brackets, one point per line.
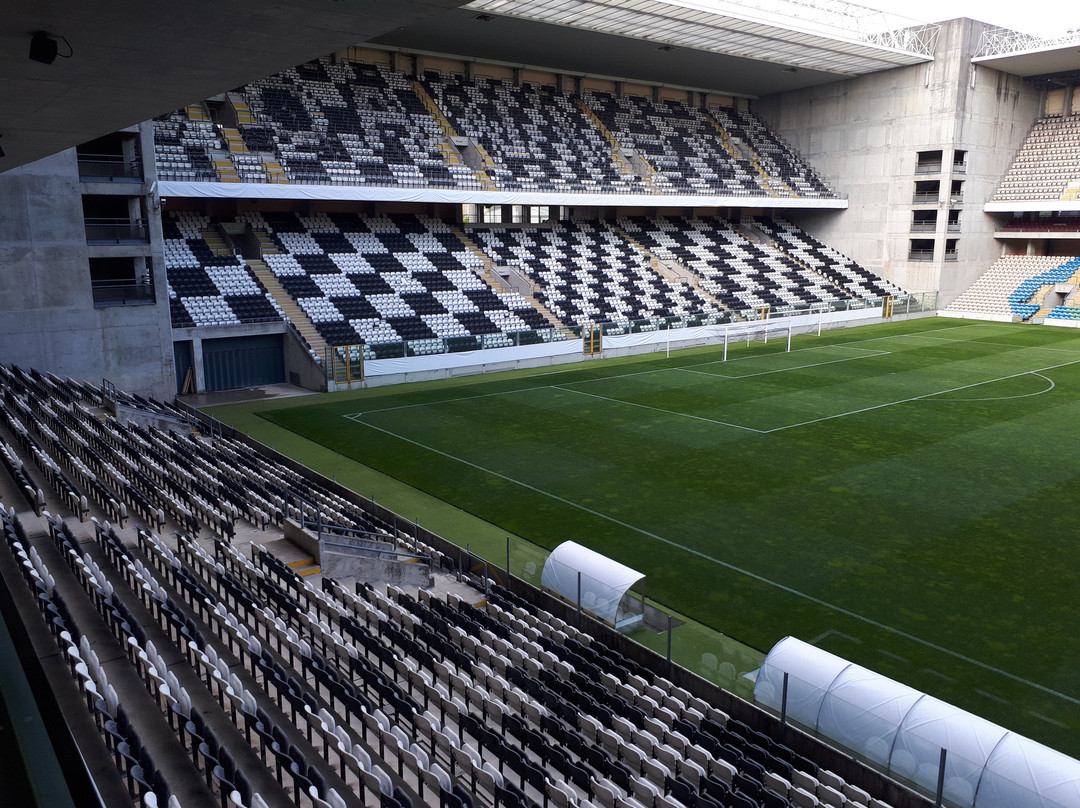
[771, 331]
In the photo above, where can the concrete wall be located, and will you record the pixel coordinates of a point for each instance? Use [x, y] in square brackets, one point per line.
[48, 319]
[863, 135]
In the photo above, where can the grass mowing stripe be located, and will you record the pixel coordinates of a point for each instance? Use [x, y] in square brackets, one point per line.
[657, 409]
[1035, 372]
[871, 352]
[727, 565]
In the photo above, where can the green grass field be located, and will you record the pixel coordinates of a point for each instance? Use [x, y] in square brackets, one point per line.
[904, 495]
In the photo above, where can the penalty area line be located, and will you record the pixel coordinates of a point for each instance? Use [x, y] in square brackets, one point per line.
[1034, 372]
[719, 562]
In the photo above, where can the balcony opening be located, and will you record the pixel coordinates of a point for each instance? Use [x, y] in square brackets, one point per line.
[111, 219]
[928, 162]
[953, 223]
[951, 249]
[927, 192]
[121, 281]
[923, 221]
[956, 192]
[921, 249]
[110, 158]
[959, 161]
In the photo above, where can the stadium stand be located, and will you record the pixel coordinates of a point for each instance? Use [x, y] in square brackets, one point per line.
[858, 281]
[588, 273]
[783, 267]
[685, 148]
[208, 288]
[990, 294]
[350, 123]
[536, 137]
[268, 686]
[1046, 166]
[183, 147]
[780, 161]
[381, 280]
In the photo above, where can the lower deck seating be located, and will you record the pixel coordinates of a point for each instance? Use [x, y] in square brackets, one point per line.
[408, 284]
[271, 687]
[1007, 286]
[390, 279]
[588, 273]
[206, 288]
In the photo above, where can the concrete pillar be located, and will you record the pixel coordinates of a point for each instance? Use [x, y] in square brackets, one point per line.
[197, 363]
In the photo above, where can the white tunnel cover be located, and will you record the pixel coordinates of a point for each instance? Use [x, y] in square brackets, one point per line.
[603, 580]
[903, 730]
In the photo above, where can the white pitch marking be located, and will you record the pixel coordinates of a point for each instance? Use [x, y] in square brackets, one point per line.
[659, 409]
[918, 398]
[872, 355]
[734, 568]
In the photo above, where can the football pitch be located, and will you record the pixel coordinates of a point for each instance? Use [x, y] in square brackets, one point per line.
[905, 495]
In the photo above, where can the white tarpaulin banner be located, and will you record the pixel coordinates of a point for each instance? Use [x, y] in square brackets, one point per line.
[363, 193]
[603, 580]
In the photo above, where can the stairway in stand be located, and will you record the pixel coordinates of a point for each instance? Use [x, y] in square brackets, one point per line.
[492, 279]
[295, 315]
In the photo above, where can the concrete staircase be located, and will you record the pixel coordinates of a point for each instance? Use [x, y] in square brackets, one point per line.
[496, 281]
[774, 187]
[234, 140]
[296, 315]
[244, 116]
[305, 566]
[446, 145]
[196, 112]
[670, 269]
[274, 172]
[216, 243]
[617, 154]
[225, 169]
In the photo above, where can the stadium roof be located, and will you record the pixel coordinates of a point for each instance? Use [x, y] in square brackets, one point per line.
[1027, 55]
[132, 61]
[770, 46]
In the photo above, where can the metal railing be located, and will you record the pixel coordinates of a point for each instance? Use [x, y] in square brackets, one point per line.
[122, 293]
[116, 231]
[920, 255]
[925, 199]
[110, 168]
[426, 347]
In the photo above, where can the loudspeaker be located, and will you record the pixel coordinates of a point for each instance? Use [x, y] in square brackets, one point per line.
[43, 48]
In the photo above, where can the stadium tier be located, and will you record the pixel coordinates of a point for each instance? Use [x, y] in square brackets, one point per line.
[536, 137]
[208, 287]
[349, 123]
[384, 280]
[1047, 166]
[585, 272]
[246, 682]
[556, 187]
[1018, 285]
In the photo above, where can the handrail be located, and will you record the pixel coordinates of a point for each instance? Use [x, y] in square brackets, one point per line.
[378, 551]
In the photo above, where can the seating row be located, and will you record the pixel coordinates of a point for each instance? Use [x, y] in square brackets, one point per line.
[350, 123]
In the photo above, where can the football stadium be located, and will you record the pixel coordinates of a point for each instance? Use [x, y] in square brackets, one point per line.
[537, 403]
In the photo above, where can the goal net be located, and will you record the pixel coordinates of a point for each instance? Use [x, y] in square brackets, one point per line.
[778, 333]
